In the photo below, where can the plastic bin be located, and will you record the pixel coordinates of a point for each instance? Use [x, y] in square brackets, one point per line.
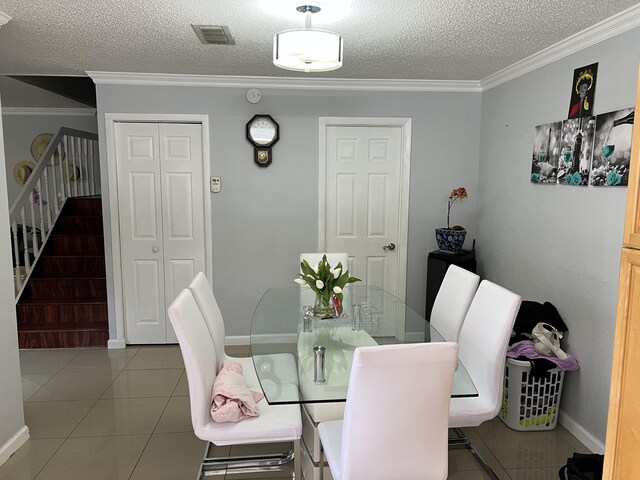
[530, 403]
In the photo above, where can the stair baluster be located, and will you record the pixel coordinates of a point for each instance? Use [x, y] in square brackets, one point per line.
[54, 181]
[25, 241]
[43, 228]
[73, 178]
[47, 198]
[62, 164]
[16, 256]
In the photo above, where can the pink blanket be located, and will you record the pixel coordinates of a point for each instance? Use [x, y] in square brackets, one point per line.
[231, 400]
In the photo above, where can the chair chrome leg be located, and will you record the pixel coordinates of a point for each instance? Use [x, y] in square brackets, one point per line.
[463, 441]
[297, 460]
[214, 466]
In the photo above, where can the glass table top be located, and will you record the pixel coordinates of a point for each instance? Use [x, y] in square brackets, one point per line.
[282, 342]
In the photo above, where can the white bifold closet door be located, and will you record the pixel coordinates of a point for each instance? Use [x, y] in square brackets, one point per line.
[161, 210]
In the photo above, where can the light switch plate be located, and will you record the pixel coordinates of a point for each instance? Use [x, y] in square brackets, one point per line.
[215, 184]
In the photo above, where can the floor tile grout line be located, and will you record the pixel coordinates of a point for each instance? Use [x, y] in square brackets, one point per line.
[150, 436]
[80, 421]
[184, 372]
[49, 459]
[140, 456]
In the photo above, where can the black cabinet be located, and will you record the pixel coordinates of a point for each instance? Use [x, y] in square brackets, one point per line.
[437, 265]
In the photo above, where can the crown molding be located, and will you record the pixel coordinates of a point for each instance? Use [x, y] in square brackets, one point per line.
[299, 83]
[75, 112]
[4, 18]
[604, 30]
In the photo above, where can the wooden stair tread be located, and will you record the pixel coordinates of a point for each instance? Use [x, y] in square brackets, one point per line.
[64, 327]
[70, 256]
[74, 235]
[62, 301]
[69, 276]
[66, 276]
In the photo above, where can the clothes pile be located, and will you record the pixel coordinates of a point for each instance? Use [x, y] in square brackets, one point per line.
[536, 337]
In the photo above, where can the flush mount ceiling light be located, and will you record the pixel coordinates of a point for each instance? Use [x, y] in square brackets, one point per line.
[307, 49]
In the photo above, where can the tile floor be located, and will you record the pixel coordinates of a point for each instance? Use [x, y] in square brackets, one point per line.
[124, 415]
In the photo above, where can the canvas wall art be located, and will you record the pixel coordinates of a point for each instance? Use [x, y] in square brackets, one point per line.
[576, 150]
[583, 91]
[612, 150]
[546, 152]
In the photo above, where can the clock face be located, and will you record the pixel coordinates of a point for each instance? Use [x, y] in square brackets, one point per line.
[262, 131]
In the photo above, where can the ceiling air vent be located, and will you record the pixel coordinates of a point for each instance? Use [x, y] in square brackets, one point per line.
[214, 34]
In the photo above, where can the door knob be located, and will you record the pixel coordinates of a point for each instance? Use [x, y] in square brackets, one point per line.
[390, 247]
[155, 249]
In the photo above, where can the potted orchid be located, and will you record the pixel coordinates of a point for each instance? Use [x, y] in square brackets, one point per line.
[451, 239]
[327, 283]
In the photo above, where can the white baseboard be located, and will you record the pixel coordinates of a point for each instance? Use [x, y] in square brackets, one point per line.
[578, 431]
[264, 338]
[115, 343]
[237, 340]
[14, 444]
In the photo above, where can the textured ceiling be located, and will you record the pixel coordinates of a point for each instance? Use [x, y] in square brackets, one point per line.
[384, 39]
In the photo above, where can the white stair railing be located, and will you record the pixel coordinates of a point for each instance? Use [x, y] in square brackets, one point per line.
[69, 167]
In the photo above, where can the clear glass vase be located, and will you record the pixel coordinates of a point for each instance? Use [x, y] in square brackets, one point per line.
[324, 307]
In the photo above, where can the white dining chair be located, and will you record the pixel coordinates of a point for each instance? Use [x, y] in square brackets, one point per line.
[484, 339]
[395, 420]
[280, 423]
[452, 301]
[283, 366]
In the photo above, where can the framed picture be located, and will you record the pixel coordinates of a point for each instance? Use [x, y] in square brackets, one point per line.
[583, 91]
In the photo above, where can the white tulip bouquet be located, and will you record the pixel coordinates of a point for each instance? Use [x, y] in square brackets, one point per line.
[326, 282]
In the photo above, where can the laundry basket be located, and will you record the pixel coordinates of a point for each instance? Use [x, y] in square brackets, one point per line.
[530, 403]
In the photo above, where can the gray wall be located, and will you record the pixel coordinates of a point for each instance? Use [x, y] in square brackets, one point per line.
[19, 132]
[11, 411]
[264, 218]
[557, 243]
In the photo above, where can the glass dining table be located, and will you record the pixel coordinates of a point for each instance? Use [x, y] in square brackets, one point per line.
[283, 340]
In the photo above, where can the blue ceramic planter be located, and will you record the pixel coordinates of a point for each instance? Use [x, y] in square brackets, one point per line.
[450, 241]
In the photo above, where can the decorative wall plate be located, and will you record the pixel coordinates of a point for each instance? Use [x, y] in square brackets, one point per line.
[22, 170]
[39, 145]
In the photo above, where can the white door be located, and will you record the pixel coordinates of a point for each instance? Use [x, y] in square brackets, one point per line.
[161, 208]
[363, 213]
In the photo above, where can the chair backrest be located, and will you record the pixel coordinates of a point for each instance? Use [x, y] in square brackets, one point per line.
[452, 302]
[198, 353]
[484, 338]
[396, 416]
[203, 293]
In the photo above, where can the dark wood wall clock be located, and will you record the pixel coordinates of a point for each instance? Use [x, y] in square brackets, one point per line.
[263, 132]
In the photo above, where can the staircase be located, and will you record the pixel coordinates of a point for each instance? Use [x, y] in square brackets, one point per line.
[64, 303]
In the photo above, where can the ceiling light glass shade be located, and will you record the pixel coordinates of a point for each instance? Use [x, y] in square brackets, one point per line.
[307, 50]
